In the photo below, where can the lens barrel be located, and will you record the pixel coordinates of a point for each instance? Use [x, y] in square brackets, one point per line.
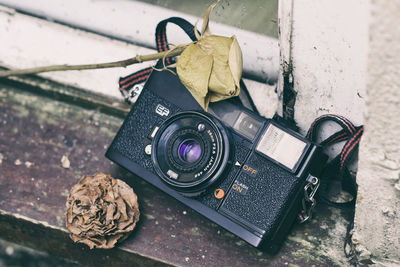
[190, 151]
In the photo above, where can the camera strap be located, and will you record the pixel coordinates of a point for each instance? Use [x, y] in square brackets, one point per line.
[336, 171]
[129, 85]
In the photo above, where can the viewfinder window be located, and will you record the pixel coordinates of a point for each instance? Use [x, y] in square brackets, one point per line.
[247, 125]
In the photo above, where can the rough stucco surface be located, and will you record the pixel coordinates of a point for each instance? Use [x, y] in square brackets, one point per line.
[377, 230]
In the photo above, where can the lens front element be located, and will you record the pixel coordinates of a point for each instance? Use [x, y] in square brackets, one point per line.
[189, 151]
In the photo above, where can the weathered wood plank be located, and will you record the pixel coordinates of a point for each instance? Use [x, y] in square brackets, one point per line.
[36, 131]
[131, 21]
[80, 97]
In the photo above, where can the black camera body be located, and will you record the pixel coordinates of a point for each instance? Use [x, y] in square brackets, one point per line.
[240, 170]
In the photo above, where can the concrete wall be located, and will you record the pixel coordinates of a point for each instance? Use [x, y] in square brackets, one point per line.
[377, 224]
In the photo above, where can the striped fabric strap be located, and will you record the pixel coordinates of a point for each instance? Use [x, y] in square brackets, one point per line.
[337, 169]
[127, 83]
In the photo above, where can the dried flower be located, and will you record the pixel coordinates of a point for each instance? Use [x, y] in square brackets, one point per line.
[101, 210]
[211, 68]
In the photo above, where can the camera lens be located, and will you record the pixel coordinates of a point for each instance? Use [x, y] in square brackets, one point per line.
[189, 151]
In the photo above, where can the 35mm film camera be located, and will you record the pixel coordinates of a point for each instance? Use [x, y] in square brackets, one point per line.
[240, 170]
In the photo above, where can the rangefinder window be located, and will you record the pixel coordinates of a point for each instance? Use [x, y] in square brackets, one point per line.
[281, 146]
[247, 125]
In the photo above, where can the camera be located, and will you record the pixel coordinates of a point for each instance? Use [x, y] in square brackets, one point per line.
[244, 172]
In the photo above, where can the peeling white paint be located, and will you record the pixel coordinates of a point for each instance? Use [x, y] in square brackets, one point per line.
[327, 44]
[31, 42]
[136, 22]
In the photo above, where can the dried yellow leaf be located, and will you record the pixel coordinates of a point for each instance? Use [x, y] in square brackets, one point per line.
[211, 68]
[195, 76]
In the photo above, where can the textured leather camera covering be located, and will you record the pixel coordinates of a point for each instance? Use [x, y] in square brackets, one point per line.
[132, 138]
[268, 196]
[208, 199]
